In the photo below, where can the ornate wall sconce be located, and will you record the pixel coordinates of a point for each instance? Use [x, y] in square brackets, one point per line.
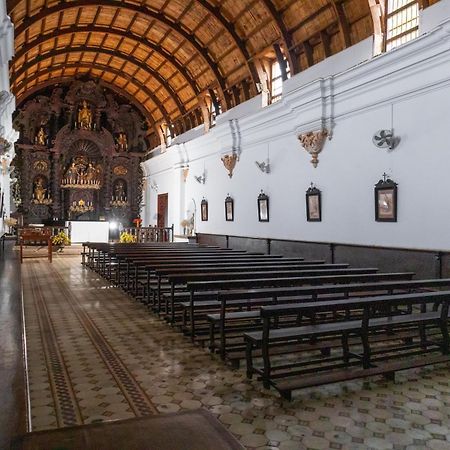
[313, 142]
[154, 186]
[229, 161]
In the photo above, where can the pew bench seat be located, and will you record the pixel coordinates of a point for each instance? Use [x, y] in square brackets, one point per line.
[388, 369]
[380, 316]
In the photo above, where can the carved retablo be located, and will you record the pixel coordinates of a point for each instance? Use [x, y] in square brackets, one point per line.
[79, 150]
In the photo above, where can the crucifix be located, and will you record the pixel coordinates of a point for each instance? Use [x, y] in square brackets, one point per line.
[385, 177]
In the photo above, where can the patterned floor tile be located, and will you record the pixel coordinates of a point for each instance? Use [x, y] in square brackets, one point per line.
[96, 355]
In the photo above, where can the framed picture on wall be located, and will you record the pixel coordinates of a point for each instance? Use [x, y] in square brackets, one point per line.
[229, 209]
[313, 204]
[204, 210]
[263, 207]
[386, 200]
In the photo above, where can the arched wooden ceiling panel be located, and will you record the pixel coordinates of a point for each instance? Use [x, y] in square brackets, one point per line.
[149, 77]
[157, 66]
[176, 50]
[157, 111]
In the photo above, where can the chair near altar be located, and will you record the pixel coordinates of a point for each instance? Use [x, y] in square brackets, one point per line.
[42, 236]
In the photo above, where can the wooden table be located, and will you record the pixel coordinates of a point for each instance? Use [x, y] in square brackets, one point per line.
[42, 236]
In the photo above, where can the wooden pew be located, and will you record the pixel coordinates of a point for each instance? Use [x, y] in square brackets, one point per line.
[143, 266]
[252, 299]
[181, 279]
[377, 315]
[217, 285]
[170, 301]
[147, 264]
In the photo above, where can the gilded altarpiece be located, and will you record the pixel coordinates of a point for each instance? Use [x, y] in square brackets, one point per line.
[78, 156]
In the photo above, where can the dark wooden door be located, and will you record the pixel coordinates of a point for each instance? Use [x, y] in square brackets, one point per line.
[163, 205]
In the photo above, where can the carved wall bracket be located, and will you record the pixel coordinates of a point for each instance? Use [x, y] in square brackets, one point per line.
[229, 161]
[185, 173]
[313, 142]
[5, 145]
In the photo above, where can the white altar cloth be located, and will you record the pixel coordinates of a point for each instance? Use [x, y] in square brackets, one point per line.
[88, 231]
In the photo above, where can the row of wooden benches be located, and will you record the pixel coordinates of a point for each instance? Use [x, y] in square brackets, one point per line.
[290, 319]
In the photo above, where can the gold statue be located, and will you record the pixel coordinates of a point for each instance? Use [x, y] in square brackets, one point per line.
[122, 143]
[41, 137]
[85, 117]
[39, 191]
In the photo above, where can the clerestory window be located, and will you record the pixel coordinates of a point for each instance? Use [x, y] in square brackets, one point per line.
[402, 22]
[277, 81]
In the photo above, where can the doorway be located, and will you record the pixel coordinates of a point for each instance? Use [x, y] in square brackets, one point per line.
[163, 210]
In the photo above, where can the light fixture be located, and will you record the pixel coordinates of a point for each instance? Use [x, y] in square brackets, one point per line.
[154, 186]
[201, 178]
[263, 166]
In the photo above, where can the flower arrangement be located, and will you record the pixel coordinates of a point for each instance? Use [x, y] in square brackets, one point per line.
[137, 222]
[61, 239]
[127, 238]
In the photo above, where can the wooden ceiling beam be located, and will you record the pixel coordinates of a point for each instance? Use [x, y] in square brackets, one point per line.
[96, 29]
[325, 39]
[308, 19]
[344, 27]
[132, 7]
[105, 69]
[286, 36]
[111, 53]
[215, 11]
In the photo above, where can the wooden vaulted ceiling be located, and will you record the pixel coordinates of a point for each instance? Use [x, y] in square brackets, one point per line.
[167, 53]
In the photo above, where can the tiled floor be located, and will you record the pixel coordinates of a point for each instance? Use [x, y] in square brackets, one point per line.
[94, 354]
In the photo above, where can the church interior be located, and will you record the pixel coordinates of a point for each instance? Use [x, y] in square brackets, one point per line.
[224, 224]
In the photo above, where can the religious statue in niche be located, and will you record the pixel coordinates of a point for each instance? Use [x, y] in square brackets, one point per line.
[122, 142]
[41, 137]
[119, 191]
[91, 173]
[119, 198]
[72, 173]
[85, 117]
[39, 192]
[82, 174]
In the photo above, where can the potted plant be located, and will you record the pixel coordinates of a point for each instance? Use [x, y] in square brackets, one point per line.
[127, 238]
[59, 241]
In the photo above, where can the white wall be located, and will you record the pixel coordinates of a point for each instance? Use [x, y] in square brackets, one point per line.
[7, 106]
[413, 81]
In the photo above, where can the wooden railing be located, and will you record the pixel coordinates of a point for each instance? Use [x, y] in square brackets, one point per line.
[151, 234]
